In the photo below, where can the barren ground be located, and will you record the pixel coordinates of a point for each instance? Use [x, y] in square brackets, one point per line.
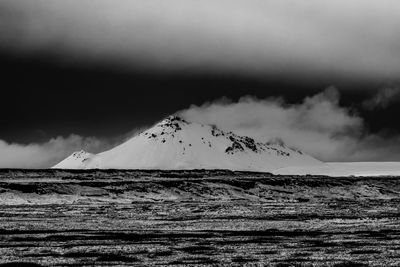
[197, 218]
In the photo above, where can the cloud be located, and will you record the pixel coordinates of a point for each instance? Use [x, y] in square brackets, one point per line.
[383, 98]
[318, 125]
[46, 155]
[349, 38]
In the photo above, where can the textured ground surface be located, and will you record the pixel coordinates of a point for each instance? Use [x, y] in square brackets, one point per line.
[197, 218]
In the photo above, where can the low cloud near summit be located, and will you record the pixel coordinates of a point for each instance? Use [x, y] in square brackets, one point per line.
[318, 125]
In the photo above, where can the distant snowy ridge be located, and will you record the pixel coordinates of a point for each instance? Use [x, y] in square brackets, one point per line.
[344, 169]
[175, 144]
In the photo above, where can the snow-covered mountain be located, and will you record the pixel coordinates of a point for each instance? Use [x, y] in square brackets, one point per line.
[177, 144]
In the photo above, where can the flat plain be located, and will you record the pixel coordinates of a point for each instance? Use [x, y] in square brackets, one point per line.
[197, 218]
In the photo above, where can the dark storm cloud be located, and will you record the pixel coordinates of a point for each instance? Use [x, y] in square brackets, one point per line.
[350, 38]
[318, 125]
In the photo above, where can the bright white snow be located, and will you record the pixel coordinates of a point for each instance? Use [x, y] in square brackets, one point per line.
[177, 144]
[77, 160]
[345, 169]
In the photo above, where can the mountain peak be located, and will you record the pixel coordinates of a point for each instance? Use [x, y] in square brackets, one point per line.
[175, 143]
[172, 121]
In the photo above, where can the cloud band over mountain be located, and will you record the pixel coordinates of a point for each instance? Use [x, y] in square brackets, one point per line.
[318, 126]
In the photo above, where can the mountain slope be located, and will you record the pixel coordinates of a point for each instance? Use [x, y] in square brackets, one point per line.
[77, 160]
[177, 144]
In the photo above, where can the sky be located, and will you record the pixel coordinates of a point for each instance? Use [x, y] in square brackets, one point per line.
[323, 76]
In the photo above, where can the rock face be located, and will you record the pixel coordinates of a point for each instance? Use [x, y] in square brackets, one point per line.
[175, 144]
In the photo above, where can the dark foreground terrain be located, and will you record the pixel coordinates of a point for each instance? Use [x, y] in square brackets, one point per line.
[197, 218]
